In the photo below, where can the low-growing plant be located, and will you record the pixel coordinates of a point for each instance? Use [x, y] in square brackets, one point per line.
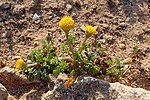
[82, 60]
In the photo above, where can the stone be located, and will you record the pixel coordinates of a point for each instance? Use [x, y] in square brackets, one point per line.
[10, 97]
[86, 88]
[17, 57]
[122, 46]
[6, 6]
[13, 77]
[119, 91]
[62, 77]
[19, 10]
[3, 92]
[1, 19]
[36, 17]
[83, 28]
[90, 88]
[31, 95]
[69, 7]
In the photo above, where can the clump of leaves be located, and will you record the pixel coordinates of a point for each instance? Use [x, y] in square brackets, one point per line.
[43, 61]
[114, 69]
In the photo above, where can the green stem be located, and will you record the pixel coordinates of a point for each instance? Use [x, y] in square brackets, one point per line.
[70, 45]
[80, 50]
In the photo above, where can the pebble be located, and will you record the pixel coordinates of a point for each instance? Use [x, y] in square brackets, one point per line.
[53, 29]
[36, 17]
[1, 19]
[123, 24]
[83, 28]
[17, 57]
[122, 46]
[69, 7]
[29, 61]
[6, 6]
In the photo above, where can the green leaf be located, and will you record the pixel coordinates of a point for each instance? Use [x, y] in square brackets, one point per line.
[54, 61]
[94, 69]
[65, 48]
[56, 71]
[71, 38]
[84, 47]
[78, 57]
[101, 50]
[94, 56]
[44, 75]
[109, 62]
[61, 67]
[88, 54]
[117, 61]
[72, 71]
[44, 43]
[108, 71]
[39, 56]
[135, 49]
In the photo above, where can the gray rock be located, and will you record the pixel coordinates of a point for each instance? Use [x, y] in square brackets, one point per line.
[1, 19]
[3, 92]
[31, 95]
[89, 88]
[86, 88]
[119, 91]
[36, 17]
[6, 6]
[13, 77]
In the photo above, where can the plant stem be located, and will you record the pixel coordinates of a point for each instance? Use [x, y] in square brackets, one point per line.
[70, 45]
[80, 50]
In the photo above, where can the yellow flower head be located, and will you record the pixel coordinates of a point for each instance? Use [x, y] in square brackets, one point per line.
[66, 23]
[19, 63]
[128, 61]
[90, 29]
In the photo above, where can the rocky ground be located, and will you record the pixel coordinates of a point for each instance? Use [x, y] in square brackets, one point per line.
[121, 26]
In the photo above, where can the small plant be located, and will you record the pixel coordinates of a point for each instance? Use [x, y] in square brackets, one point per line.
[44, 61]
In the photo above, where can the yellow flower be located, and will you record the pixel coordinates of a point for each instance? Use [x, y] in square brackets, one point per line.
[19, 63]
[90, 29]
[66, 23]
[128, 61]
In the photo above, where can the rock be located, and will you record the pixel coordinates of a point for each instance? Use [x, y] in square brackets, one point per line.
[86, 88]
[62, 77]
[3, 92]
[6, 6]
[31, 95]
[90, 88]
[69, 7]
[17, 57]
[53, 29]
[13, 77]
[10, 97]
[1, 19]
[36, 17]
[83, 28]
[19, 10]
[122, 46]
[54, 5]
[119, 91]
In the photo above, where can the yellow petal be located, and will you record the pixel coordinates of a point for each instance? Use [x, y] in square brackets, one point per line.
[66, 23]
[90, 29]
[19, 63]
